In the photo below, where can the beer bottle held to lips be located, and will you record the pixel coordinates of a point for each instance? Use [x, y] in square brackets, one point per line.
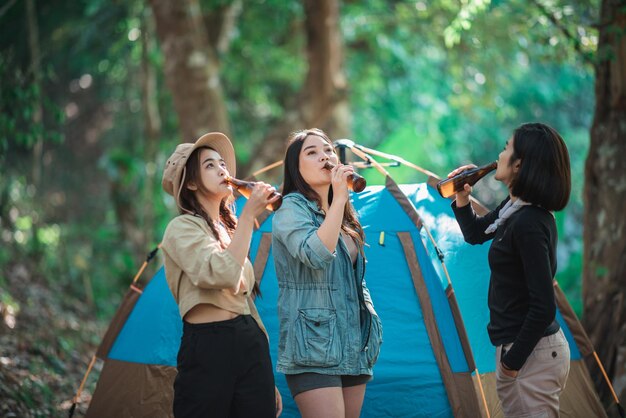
[246, 187]
[356, 183]
[453, 185]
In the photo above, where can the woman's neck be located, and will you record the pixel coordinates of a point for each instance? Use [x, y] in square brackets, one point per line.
[211, 207]
[322, 192]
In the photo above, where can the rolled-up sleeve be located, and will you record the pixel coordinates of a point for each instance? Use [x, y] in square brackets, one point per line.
[294, 227]
[200, 255]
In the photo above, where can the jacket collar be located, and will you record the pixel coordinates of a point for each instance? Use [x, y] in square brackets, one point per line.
[311, 204]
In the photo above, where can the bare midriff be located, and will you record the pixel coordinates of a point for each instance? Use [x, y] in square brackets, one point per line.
[206, 312]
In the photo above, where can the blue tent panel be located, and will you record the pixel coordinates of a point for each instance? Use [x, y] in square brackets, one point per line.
[152, 333]
[466, 264]
[381, 212]
[573, 347]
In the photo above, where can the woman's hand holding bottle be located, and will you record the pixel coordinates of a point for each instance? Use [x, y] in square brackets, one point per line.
[260, 197]
[328, 232]
[462, 197]
[245, 188]
[339, 180]
[356, 182]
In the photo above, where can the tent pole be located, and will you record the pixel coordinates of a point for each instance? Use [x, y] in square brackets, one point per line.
[80, 388]
[608, 382]
[445, 269]
[359, 153]
[482, 392]
[267, 168]
[145, 264]
[394, 158]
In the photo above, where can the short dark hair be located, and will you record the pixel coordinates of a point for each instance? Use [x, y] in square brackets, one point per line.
[544, 176]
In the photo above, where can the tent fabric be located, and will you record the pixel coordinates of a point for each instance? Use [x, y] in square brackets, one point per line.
[133, 390]
[152, 332]
[262, 255]
[583, 343]
[466, 405]
[436, 359]
[579, 398]
[119, 319]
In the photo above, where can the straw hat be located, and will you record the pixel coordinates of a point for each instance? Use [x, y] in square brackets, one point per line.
[174, 172]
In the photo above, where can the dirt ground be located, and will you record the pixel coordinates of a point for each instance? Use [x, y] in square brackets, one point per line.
[46, 344]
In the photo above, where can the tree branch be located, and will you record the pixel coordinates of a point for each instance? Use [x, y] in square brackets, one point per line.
[573, 39]
[220, 24]
[6, 7]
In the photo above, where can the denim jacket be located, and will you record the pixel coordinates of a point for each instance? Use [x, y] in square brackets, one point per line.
[327, 320]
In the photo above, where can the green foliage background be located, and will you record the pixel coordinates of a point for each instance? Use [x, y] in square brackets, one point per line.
[439, 83]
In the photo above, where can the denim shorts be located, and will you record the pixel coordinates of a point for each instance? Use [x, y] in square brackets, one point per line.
[302, 382]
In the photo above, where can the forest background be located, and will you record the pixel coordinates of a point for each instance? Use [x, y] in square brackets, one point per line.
[95, 94]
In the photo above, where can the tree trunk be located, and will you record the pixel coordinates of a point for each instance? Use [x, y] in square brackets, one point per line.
[191, 68]
[322, 102]
[35, 68]
[604, 270]
[37, 118]
[152, 127]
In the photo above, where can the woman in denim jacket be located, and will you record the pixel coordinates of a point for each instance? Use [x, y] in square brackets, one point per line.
[330, 335]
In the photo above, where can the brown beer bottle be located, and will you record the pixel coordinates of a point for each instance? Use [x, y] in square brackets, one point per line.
[356, 183]
[448, 187]
[245, 188]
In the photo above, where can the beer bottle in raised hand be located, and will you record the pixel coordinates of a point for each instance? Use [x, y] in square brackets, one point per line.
[246, 187]
[356, 183]
[453, 185]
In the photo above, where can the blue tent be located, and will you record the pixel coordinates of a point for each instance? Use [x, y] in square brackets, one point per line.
[436, 359]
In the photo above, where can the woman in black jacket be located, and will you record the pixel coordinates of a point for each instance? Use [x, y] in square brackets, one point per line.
[532, 354]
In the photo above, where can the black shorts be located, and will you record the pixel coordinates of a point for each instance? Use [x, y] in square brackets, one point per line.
[302, 382]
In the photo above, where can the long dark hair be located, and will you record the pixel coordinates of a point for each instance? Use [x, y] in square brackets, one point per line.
[294, 182]
[189, 200]
[544, 176]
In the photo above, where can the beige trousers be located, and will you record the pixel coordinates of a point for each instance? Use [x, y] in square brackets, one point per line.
[535, 392]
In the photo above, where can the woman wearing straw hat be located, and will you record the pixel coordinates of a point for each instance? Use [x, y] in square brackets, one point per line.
[224, 366]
